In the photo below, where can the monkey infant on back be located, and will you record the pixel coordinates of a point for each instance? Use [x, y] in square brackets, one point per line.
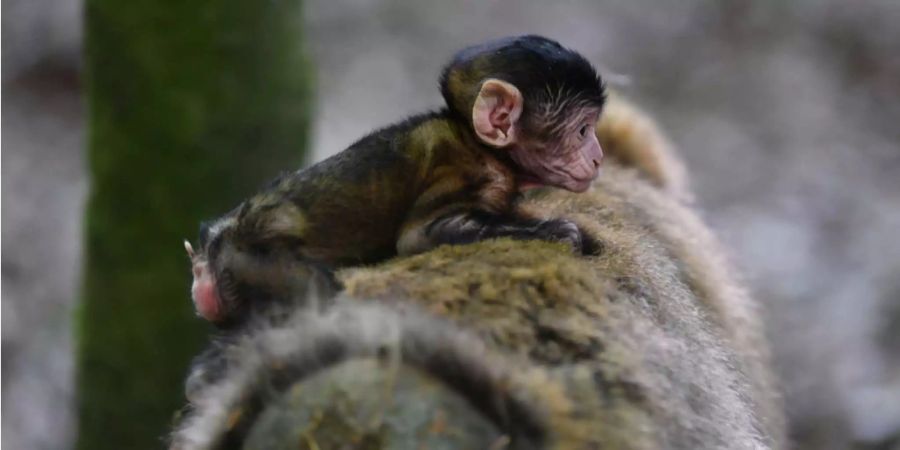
[520, 112]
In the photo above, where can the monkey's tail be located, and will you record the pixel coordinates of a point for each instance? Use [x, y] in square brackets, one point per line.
[632, 138]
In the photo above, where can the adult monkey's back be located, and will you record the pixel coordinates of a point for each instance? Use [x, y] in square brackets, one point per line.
[650, 344]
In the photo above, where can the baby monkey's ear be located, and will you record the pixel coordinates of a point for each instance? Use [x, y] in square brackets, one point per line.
[496, 112]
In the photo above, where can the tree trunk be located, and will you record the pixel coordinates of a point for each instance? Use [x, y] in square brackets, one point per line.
[192, 105]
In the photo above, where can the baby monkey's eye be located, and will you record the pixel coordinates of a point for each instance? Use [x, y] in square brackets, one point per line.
[584, 129]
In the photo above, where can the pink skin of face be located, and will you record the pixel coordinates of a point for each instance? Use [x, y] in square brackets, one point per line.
[204, 292]
[573, 166]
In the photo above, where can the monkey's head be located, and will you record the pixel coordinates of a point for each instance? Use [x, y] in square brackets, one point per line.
[245, 264]
[535, 99]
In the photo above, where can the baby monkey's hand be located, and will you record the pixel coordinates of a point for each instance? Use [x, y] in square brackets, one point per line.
[564, 230]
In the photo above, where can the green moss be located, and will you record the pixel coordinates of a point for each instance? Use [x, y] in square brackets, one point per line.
[192, 105]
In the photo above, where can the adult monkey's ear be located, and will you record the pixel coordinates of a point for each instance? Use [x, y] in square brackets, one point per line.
[495, 115]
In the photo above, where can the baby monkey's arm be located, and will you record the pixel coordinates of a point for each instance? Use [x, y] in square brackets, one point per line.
[464, 224]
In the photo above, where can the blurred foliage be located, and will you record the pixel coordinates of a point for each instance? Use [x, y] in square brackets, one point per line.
[191, 105]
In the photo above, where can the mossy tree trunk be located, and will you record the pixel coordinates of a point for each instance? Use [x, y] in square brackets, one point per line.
[192, 105]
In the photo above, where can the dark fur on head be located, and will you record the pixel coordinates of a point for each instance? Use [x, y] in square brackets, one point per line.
[550, 77]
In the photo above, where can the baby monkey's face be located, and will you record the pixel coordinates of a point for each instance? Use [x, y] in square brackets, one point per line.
[552, 142]
[565, 153]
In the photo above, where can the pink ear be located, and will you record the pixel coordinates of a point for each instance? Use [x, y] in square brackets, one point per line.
[496, 112]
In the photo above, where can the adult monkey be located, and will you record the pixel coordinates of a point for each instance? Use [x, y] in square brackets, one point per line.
[650, 344]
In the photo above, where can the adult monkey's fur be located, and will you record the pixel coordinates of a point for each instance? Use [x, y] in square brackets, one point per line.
[502, 344]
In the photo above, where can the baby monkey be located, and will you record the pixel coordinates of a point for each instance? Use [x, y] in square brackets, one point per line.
[520, 112]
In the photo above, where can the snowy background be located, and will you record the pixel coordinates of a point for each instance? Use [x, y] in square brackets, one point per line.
[788, 114]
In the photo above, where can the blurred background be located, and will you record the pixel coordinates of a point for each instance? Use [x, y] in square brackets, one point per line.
[788, 114]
